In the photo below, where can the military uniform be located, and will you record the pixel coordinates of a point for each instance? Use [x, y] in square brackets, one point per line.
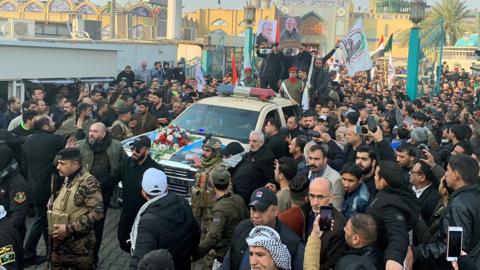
[250, 83]
[13, 191]
[11, 250]
[79, 205]
[294, 88]
[120, 131]
[227, 212]
[203, 195]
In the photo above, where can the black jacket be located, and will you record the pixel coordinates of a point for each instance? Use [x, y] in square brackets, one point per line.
[302, 60]
[272, 66]
[131, 175]
[10, 236]
[263, 160]
[428, 201]
[167, 224]
[14, 196]
[239, 246]
[278, 146]
[396, 211]
[245, 179]
[462, 210]
[366, 258]
[39, 151]
[179, 75]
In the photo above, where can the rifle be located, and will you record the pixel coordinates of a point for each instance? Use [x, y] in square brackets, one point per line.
[53, 189]
[305, 96]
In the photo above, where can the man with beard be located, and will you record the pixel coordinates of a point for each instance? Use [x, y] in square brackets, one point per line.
[77, 125]
[39, 151]
[57, 110]
[309, 121]
[26, 127]
[293, 86]
[366, 159]
[276, 141]
[14, 109]
[121, 129]
[261, 156]
[101, 157]
[68, 111]
[144, 121]
[130, 173]
[203, 196]
[26, 106]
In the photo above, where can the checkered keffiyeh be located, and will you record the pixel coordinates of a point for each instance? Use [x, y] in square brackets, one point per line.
[268, 238]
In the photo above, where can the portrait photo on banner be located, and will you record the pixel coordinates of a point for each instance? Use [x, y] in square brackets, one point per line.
[266, 32]
[290, 35]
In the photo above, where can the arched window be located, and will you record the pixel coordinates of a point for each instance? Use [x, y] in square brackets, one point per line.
[86, 10]
[219, 22]
[33, 8]
[57, 6]
[7, 6]
[140, 12]
[162, 23]
[137, 31]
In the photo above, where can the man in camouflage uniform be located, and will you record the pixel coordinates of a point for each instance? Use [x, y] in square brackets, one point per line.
[73, 213]
[228, 211]
[120, 129]
[202, 191]
[249, 81]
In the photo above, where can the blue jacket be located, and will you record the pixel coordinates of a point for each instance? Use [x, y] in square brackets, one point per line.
[356, 202]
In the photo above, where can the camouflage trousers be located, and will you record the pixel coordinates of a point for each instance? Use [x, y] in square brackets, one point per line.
[205, 263]
[74, 253]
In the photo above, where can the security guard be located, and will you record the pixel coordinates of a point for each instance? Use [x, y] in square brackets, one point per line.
[202, 191]
[11, 250]
[120, 129]
[13, 190]
[228, 211]
[75, 209]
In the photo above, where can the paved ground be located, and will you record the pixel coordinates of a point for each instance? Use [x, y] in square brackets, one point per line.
[111, 256]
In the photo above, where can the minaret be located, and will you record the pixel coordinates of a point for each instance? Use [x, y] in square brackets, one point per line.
[174, 19]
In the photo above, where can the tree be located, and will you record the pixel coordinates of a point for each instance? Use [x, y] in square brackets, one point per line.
[453, 14]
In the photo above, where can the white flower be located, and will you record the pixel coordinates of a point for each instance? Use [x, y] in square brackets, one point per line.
[169, 138]
[162, 147]
[176, 146]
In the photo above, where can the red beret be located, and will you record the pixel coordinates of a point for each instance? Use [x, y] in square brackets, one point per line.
[292, 69]
[248, 69]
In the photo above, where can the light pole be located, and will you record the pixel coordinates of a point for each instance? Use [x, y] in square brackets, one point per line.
[417, 14]
[249, 18]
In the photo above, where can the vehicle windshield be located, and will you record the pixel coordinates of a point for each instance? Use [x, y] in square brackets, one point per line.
[229, 123]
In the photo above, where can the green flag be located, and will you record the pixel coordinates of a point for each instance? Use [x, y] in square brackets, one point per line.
[388, 46]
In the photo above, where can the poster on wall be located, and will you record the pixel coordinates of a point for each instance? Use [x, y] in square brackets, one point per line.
[266, 32]
[290, 32]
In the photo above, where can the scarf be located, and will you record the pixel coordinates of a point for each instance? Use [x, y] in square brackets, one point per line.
[133, 233]
[100, 146]
[292, 80]
[233, 161]
[268, 238]
[211, 161]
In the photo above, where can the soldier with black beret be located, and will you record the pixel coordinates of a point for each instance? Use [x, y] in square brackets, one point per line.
[73, 212]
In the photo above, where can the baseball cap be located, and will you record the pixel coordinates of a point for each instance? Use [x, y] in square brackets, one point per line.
[262, 198]
[221, 176]
[154, 182]
[232, 148]
[140, 142]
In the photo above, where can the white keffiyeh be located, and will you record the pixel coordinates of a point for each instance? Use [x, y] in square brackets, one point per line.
[268, 238]
[133, 233]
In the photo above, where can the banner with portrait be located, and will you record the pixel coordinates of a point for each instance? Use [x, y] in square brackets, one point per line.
[290, 35]
[266, 33]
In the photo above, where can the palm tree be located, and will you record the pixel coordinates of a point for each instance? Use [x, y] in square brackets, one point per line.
[452, 13]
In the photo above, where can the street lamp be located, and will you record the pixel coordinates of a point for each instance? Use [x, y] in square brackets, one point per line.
[417, 14]
[249, 18]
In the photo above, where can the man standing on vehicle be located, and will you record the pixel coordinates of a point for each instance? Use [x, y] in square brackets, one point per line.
[202, 191]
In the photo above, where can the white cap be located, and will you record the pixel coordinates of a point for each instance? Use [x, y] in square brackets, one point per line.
[154, 182]
[3, 213]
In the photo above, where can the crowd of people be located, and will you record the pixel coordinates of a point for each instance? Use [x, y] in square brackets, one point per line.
[388, 174]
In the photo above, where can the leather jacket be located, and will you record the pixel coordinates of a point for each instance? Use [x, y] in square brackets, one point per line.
[462, 210]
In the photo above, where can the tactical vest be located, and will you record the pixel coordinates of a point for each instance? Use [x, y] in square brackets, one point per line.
[64, 210]
[126, 131]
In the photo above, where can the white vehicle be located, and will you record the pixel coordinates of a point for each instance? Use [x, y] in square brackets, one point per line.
[228, 118]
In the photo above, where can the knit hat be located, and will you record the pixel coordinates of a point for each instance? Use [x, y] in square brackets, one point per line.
[268, 238]
[154, 182]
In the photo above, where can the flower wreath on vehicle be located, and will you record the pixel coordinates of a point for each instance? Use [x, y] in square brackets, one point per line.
[169, 140]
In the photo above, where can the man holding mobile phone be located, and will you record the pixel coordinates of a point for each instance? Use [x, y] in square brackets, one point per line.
[461, 211]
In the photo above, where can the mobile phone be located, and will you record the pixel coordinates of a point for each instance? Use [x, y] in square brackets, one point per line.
[372, 124]
[454, 243]
[326, 216]
[361, 130]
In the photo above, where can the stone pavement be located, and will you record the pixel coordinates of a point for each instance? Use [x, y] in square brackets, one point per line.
[111, 256]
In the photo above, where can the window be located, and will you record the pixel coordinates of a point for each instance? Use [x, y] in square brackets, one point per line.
[272, 114]
[219, 22]
[51, 29]
[289, 111]
[189, 34]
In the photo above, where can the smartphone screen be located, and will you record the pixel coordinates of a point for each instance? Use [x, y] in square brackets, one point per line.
[326, 215]
[372, 124]
[454, 245]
